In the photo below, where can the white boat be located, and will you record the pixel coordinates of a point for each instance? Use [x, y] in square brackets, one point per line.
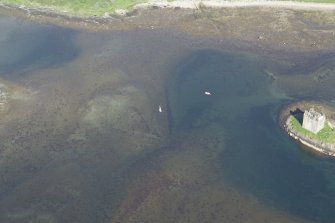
[207, 93]
[160, 109]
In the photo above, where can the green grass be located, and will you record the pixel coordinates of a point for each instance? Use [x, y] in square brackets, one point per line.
[326, 135]
[94, 7]
[78, 7]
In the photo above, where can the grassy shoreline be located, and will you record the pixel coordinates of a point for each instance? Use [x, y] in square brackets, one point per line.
[291, 117]
[326, 135]
[77, 7]
[84, 8]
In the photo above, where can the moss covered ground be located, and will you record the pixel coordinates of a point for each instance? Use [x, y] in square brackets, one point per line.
[326, 135]
[78, 7]
[94, 7]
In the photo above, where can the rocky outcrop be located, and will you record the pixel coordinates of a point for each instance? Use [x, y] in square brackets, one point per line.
[3, 96]
[294, 110]
[325, 148]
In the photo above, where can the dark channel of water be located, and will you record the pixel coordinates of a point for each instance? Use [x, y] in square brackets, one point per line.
[258, 157]
[27, 46]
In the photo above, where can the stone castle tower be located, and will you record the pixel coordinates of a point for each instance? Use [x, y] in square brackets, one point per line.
[313, 120]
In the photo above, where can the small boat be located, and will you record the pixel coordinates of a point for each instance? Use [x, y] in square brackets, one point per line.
[207, 93]
[160, 109]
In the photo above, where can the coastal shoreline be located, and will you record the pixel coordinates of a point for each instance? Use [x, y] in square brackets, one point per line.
[308, 144]
[266, 27]
[110, 17]
[196, 4]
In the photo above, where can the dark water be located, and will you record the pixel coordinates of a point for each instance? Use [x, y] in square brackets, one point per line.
[26, 46]
[257, 157]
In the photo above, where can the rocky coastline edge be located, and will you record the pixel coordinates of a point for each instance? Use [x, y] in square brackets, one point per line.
[315, 145]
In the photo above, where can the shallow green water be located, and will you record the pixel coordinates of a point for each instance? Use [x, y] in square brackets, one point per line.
[257, 156]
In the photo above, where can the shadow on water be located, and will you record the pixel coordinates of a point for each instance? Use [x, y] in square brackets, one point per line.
[27, 47]
[258, 157]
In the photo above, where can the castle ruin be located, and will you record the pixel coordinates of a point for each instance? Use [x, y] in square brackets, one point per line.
[313, 120]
